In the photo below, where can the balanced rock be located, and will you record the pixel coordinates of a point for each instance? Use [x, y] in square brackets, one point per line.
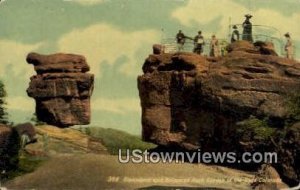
[241, 102]
[61, 88]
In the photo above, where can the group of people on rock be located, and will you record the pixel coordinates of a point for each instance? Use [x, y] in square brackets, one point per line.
[198, 43]
[235, 36]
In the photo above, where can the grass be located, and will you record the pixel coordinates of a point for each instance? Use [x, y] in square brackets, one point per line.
[256, 128]
[114, 139]
[293, 103]
[27, 164]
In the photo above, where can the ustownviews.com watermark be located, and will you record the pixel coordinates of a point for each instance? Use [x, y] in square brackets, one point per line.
[140, 156]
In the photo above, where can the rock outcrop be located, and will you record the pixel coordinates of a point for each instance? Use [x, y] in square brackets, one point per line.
[268, 178]
[28, 130]
[53, 141]
[241, 102]
[61, 88]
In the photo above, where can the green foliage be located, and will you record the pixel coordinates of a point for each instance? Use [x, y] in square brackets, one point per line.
[35, 120]
[293, 104]
[27, 164]
[16, 162]
[114, 140]
[255, 129]
[10, 152]
[3, 112]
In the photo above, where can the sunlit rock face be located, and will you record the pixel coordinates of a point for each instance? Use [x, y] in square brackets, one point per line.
[62, 88]
[239, 102]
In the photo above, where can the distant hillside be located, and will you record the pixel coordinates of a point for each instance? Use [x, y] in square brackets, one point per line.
[114, 139]
[53, 142]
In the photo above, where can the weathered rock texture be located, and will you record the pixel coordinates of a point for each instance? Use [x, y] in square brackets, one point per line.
[235, 103]
[267, 178]
[61, 88]
[53, 141]
[28, 130]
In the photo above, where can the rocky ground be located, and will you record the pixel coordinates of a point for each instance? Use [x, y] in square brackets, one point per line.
[94, 171]
[77, 161]
[53, 141]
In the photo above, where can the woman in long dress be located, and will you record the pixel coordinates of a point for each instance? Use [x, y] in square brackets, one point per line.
[247, 29]
[289, 46]
[214, 47]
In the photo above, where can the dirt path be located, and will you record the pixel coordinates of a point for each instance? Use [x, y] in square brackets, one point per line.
[104, 172]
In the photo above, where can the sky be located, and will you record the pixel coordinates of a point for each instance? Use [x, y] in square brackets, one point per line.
[116, 36]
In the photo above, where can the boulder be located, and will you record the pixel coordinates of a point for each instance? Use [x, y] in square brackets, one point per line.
[289, 154]
[58, 62]
[242, 45]
[28, 130]
[158, 49]
[240, 102]
[53, 141]
[61, 88]
[266, 48]
[267, 178]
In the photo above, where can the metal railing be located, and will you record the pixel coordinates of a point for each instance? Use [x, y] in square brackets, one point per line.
[171, 46]
[259, 33]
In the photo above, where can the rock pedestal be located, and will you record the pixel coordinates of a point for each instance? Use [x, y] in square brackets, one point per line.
[61, 88]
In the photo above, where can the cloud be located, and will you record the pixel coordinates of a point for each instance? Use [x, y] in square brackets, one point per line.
[205, 12]
[14, 53]
[196, 12]
[87, 2]
[20, 103]
[106, 43]
[275, 19]
[118, 106]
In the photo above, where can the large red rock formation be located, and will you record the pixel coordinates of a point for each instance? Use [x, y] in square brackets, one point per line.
[61, 88]
[240, 102]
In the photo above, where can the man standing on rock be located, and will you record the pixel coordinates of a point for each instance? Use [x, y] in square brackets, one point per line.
[198, 43]
[247, 29]
[180, 38]
[288, 46]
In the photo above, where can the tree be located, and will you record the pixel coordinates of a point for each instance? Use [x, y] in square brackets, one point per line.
[35, 120]
[3, 111]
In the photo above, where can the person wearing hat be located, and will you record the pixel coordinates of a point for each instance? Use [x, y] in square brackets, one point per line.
[247, 29]
[289, 46]
[198, 43]
[235, 36]
[214, 46]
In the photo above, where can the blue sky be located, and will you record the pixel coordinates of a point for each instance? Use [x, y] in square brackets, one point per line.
[116, 36]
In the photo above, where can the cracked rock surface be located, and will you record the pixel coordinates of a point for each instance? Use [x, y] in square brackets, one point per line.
[62, 88]
[198, 102]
